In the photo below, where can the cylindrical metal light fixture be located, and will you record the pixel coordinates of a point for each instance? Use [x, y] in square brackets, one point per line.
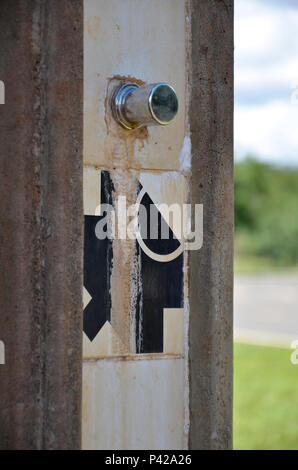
[134, 106]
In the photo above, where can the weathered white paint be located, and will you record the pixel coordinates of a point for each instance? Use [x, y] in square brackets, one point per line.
[92, 185]
[2, 92]
[2, 353]
[173, 333]
[185, 156]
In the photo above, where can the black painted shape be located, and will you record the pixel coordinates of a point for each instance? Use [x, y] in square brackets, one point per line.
[98, 256]
[157, 245]
[162, 285]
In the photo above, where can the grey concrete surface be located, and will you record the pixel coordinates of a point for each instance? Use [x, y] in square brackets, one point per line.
[41, 224]
[211, 267]
[266, 308]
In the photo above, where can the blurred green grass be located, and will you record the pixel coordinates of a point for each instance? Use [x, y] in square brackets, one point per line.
[244, 264]
[257, 264]
[265, 398]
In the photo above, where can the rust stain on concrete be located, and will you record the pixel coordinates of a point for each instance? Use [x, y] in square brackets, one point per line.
[121, 144]
[123, 254]
[93, 27]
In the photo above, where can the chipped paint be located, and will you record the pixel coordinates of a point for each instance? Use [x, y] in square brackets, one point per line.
[185, 156]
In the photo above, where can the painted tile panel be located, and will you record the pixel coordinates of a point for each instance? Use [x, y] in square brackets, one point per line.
[134, 404]
[118, 48]
[130, 286]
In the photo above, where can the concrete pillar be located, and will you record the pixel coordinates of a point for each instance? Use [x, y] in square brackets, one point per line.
[211, 268]
[41, 65]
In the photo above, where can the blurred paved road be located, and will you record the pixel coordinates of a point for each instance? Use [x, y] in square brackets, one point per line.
[266, 308]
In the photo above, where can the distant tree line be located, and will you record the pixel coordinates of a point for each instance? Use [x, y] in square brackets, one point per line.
[266, 211]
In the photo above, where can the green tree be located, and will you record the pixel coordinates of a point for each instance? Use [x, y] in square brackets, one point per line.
[266, 210]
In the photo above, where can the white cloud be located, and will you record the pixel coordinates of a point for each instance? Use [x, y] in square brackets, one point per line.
[266, 66]
[268, 131]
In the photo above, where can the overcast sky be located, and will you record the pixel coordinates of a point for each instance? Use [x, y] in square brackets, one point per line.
[266, 77]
